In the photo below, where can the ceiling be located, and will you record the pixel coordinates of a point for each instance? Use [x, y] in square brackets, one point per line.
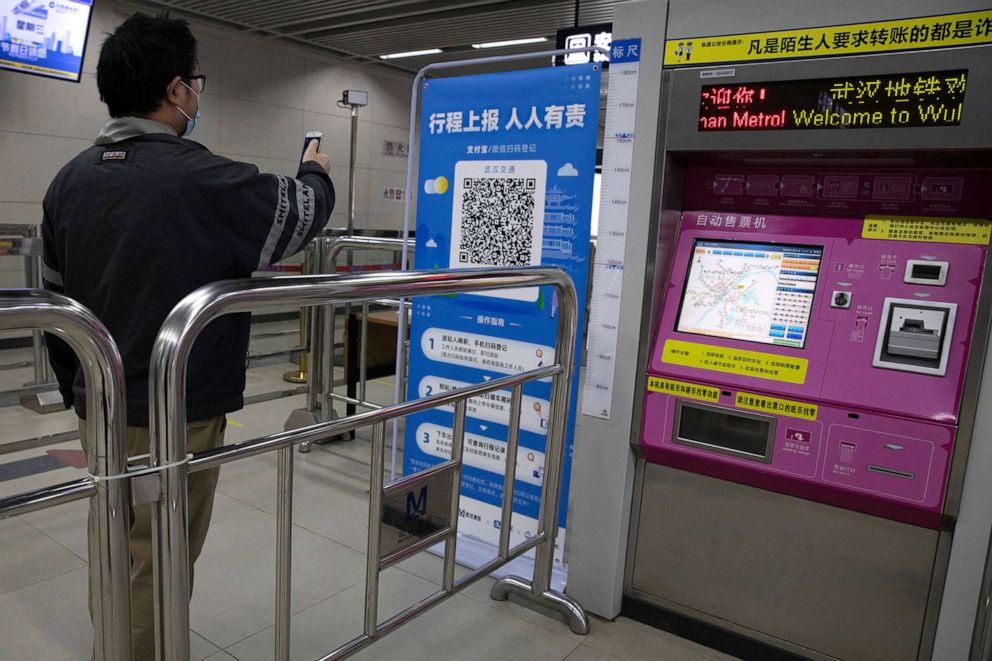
[364, 29]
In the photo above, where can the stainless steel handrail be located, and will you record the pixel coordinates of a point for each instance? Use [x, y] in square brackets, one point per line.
[168, 450]
[351, 244]
[28, 245]
[27, 309]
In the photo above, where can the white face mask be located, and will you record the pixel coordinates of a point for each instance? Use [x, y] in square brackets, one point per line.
[190, 121]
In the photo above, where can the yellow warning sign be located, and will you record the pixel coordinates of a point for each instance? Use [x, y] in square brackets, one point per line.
[975, 231]
[735, 361]
[791, 408]
[880, 36]
[683, 389]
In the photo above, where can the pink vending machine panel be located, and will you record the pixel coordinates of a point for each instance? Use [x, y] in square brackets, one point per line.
[802, 355]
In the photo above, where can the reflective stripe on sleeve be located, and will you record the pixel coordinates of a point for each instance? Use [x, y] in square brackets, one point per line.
[278, 223]
[305, 210]
[51, 275]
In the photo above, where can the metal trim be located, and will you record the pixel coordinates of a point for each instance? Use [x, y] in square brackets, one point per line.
[883, 330]
[765, 458]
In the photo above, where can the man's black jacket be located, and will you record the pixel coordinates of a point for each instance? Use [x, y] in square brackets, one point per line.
[131, 227]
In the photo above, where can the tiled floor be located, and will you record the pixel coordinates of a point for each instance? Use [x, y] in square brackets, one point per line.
[43, 613]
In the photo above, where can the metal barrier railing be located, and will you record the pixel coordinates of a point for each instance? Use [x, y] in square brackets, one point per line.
[352, 244]
[323, 329]
[41, 396]
[168, 450]
[25, 309]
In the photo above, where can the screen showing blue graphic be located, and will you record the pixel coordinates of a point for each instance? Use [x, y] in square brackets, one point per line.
[506, 174]
[44, 37]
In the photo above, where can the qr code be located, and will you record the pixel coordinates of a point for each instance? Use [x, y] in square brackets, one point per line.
[497, 217]
[497, 221]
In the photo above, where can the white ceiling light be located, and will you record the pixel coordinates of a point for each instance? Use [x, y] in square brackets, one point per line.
[412, 53]
[511, 42]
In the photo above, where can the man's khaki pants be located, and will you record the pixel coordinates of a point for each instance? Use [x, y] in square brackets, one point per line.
[201, 435]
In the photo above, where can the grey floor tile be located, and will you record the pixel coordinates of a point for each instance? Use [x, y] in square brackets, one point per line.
[225, 507]
[221, 656]
[264, 417]
[28, 556]
[19, 423]
[200, 648]
[586, 653]
[253, 480]
[66, 524]
[268, 377]
[428, 566]
[633, 641]
[333, 622]
[48, 620]
[463, 629]
[338, 512]
[234, 592]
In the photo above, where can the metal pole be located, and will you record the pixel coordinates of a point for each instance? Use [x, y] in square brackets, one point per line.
[328, 265]
[561, 389]
[457, 453]
[301, 374]
[350, 257]
[32, 280]
[352, 172]
[284, 552]
[375, 529]
[47, 373]
[315, 372]
[100, 360]
[510, 472]
[330, 361]
[364, 355]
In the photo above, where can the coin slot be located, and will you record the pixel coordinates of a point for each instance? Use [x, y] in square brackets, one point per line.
[906, 475]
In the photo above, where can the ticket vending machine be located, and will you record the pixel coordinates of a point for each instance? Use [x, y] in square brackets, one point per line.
[819, 322]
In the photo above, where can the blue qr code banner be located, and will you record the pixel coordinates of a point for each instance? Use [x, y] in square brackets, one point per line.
[506, 173]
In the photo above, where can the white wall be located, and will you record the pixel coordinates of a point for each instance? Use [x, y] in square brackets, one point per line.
[261, 98]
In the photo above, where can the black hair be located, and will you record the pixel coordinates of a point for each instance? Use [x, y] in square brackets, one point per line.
[140, 59]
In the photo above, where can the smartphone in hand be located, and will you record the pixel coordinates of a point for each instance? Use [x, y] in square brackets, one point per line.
[310, 137]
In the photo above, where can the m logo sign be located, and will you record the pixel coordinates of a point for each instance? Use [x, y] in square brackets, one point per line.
[416, 507]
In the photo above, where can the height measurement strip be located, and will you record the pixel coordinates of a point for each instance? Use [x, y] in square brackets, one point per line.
[607, 280]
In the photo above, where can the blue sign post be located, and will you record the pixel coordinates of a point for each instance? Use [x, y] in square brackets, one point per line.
[505, 179]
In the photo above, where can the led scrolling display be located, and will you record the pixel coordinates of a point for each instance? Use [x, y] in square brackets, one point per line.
[902, 100]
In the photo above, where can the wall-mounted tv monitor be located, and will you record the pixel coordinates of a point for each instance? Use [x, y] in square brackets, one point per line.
[755, 292]
[44, 37]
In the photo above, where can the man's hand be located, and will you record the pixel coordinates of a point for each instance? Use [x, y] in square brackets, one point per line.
[311, 154]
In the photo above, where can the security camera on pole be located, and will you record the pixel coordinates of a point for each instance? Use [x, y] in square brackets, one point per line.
[319, 376]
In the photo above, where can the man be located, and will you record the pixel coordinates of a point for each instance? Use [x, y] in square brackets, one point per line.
[138, 221]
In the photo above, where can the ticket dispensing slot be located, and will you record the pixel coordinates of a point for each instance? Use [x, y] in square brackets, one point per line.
[915, 336]
[735, 433]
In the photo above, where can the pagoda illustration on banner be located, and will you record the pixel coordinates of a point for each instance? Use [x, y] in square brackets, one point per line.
[560, 219]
